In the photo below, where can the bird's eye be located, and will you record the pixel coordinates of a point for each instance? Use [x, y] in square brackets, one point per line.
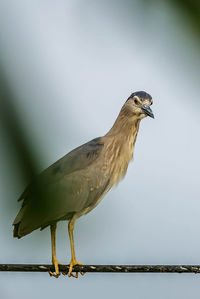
[136, 101]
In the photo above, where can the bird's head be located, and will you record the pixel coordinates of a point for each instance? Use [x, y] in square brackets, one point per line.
[139, 104]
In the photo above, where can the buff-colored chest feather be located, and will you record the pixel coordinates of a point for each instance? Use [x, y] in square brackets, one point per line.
[118, 154]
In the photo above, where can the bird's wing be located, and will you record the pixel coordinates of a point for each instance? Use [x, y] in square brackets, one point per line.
[79, 158]
[73, 193]
[70, 185]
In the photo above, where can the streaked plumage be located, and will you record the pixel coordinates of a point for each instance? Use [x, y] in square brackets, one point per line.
[76, 183]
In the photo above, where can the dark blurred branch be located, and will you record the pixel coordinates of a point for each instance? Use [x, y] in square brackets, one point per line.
[188, 10]
[22, 158]
[191, 8]
[15, 131]
[104, 268]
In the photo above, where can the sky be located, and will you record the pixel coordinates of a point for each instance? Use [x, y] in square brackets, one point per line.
[72, 65]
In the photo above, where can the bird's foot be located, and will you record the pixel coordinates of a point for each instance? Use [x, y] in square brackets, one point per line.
[56, 264]
[71, 265]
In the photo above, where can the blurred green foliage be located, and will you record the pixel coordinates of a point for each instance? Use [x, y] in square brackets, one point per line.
[188, 11]
[24, 158]
[191, 10]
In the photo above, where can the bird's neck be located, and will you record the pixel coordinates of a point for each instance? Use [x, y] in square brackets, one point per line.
[119, 145]
[125, 128]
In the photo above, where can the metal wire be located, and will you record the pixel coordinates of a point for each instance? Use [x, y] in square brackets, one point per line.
[104, 268]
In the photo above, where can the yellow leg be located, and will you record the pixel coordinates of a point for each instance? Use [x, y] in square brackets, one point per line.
[73, 261]
[55, 262]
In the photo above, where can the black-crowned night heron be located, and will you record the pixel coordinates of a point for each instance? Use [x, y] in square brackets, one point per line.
[75, 184]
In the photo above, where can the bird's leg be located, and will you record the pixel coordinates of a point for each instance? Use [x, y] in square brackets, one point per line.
[55, 262]
[73, 261]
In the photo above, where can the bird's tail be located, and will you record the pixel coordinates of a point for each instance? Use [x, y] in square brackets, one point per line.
[17, 222]
[16, 230]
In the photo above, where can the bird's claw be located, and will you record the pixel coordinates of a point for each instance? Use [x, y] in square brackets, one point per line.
[53, 274]
[70, 273]
[56, 264]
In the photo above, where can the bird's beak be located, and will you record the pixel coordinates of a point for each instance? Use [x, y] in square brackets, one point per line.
[147, 110]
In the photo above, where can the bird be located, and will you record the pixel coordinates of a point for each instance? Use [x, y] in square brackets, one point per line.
[76, 183]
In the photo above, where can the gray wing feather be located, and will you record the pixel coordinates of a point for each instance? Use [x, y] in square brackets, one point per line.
[79, 158]
[65, 188]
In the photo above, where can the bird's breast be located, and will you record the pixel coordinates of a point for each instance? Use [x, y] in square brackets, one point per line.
[117, 158]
